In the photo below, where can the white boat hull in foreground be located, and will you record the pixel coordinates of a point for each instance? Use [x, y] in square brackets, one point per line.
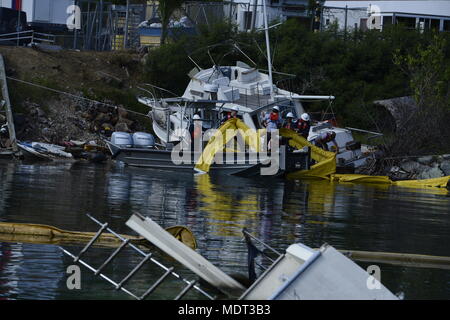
[300, 273]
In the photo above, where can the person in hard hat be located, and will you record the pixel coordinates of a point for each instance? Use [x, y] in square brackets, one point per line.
[233, 114]
[289, 122]
[195, 129]
[303, 125]
[324, 137]
[272, 121]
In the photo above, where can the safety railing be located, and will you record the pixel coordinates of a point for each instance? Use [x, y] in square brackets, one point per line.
[146, 258]
[31, 35]
[254, 252]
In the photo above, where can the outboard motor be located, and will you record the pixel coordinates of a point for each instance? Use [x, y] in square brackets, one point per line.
[143, 140]
[122, 139]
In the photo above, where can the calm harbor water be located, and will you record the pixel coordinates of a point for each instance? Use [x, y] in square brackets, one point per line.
[279, 212]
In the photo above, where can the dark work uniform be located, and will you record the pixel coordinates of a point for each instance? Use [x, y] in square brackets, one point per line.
[303, 128]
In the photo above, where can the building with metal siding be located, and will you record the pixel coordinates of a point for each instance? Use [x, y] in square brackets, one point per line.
[424, 15]
[6, 4]
[42, 12]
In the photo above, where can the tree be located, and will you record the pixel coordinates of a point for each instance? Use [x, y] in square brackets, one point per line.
[426, 129]
[166, 9]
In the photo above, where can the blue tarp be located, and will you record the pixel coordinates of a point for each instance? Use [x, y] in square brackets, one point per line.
[156, 32]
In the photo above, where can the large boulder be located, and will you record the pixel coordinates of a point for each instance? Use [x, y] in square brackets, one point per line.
[123, 127]
[102, 118]
[430, 173]
[427, 160]
[445, 167]
[412, 166]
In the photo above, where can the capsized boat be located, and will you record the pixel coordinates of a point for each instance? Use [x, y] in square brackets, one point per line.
[250, 91]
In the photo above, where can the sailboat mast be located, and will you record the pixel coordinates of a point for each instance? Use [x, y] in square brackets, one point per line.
[269, 60]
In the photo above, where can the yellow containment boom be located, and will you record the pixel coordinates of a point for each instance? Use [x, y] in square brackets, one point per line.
[44, 234]
[326, 161]
[441, 182]
[222, 136]
[325, 167]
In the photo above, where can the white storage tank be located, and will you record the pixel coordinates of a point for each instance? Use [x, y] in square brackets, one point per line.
[143, 140]
[122, 139]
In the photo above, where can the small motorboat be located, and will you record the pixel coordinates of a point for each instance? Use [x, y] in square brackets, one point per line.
[43, 151]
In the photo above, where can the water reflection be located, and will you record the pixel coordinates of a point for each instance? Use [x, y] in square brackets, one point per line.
[23, 274]
[215, 208]
[6, 177]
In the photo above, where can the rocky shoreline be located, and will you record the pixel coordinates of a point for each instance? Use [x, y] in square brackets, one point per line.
[408, 167]
[64, 120]
[425, 167]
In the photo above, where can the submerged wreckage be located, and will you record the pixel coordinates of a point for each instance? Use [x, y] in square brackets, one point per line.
[301, 273]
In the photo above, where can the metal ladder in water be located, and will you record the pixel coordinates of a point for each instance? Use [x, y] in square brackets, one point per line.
[147, 257]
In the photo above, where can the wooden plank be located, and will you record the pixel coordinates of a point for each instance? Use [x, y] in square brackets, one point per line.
[9, 115]
[150, 230]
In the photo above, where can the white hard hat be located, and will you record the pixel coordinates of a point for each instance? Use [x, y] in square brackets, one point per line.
[234, 108]
[196, 117]
[290, 115]
[305, 117]
[276, 108]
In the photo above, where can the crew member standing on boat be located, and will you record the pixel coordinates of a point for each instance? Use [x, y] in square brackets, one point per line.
[289, 122]
[272, 122]
[325, 137]
[303, 125]
[195, 129]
